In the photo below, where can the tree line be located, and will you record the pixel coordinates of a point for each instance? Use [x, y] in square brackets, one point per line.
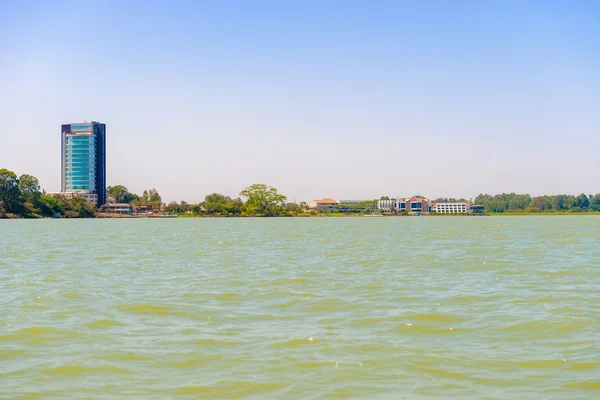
[512, 202]
[21, 196]
[260, 200]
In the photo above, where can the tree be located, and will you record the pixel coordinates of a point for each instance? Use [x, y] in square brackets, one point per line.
[121, 194]
[234, 206]
[263, 200]
[184, 206]
[561, 202]
[216, 198]
[582, 202]
[519, 202]
[173, 207]
[10, 194]
[595, 203]
[304, 207]
[540, 203]
[384, 198]
[81, 207]
[150, 198]
[29, 187]
[154, 196]
[49, 205]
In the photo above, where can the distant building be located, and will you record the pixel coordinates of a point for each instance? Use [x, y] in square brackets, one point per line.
[412, 205]
[354, 206]
[388, 205]
[451, 208]
[477, 209]
[150, 210]
[418, 205]
[421, 205]
[83, 147]
[118, 208]
[324, 205]
[91, 198]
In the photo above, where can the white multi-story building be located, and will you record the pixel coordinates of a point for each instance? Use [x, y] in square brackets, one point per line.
[388, 205]
[451, 208]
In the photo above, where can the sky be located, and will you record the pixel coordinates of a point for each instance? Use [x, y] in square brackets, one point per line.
[331, 98]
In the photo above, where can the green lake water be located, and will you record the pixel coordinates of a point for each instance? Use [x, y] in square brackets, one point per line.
[301, 308]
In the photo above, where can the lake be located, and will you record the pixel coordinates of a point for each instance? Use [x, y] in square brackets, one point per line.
[301, 308]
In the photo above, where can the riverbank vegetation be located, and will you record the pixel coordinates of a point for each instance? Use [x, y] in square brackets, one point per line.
[518, 204]
[22, 197]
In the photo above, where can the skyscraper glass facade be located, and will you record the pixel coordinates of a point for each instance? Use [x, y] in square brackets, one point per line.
[84, 159]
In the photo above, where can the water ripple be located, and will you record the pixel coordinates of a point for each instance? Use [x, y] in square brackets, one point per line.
[385, 308]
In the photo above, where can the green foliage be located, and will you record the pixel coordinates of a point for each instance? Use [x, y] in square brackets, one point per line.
[515, 203]
[21, 196]
[582, 202]
[364, 207]
[216, 198]
[75, 207]
[150, 198]
[121, 194]
[216, 203]
[29, 187]
[518, 202]
[595, 203]
[172, 207]
[541, 203]
[49, 205]
[82, 208]
[10, 193]
[503, 202]
[263, 200]
[292, 209]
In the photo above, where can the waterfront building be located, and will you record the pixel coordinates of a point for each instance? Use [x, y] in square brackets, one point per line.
[477, 209]
[118, 208]
[388, 205]
[412, 205]
[418, 205]
[83, 147]
[421, 205]
[351, 202]
[451, 208]
[354, 206]
[324, 205]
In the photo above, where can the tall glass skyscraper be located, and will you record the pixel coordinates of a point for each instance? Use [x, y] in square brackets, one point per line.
[84, 160]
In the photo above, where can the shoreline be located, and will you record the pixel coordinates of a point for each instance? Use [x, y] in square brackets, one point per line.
[324, 215]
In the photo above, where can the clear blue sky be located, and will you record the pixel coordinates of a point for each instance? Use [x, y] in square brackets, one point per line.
[343, 99]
